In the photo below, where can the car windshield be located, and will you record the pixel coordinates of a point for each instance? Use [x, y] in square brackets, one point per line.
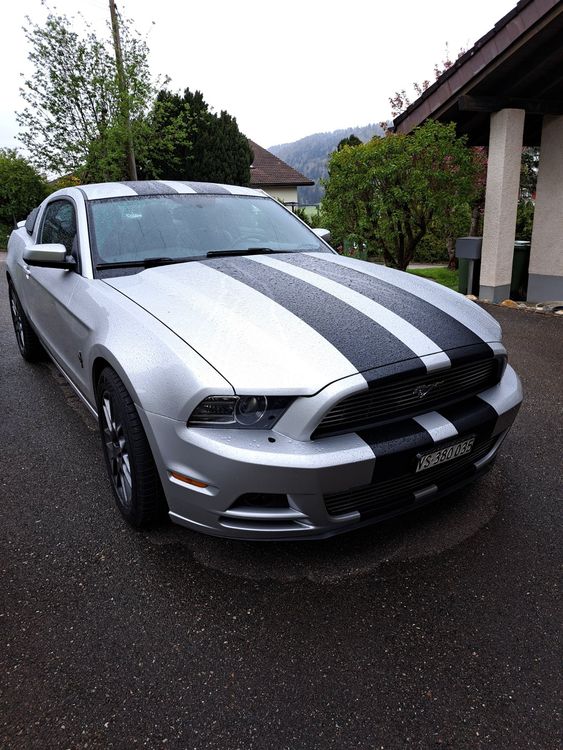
[145, 229]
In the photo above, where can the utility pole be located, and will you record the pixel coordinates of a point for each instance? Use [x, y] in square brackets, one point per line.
[123, 93]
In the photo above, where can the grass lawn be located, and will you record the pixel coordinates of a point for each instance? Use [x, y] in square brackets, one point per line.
[439, 274]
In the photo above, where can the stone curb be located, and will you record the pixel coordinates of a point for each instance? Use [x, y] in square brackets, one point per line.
[545, 308]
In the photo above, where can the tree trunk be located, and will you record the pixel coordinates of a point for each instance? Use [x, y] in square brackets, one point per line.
[475, 221]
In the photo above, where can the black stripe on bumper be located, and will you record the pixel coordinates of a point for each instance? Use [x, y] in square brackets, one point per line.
[397, 446]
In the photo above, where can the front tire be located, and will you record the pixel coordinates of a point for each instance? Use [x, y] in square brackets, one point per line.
[28, 343]
[129, 461]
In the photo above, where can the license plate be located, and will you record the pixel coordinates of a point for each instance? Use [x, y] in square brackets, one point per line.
[454, 450]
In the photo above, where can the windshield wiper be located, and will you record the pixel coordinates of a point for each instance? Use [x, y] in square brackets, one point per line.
[245, 251]
[147, 262]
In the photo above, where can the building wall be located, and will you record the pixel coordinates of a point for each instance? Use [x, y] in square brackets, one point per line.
[285, 194]
[546, 261]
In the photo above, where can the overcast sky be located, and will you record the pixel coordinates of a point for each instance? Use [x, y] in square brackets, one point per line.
[284, 70]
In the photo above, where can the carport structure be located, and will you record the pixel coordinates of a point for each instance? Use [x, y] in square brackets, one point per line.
[506, 92]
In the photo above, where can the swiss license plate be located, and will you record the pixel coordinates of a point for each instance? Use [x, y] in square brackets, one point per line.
[454, 450]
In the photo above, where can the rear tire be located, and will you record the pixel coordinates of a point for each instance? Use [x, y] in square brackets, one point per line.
[28, 343]
[131, 468]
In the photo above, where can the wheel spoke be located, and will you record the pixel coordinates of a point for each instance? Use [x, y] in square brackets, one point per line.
[116, 451]
[107, 413]
[126, 474]
[18, 322]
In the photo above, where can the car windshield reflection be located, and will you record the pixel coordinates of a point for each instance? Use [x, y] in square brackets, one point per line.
[144, 231]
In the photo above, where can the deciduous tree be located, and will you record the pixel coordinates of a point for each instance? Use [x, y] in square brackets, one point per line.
[72, 97]
[21, 187]
[390, 192]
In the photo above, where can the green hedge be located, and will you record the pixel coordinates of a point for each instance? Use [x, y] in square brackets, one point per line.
[5, 230]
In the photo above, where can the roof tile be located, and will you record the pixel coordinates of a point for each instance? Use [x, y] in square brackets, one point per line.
[267, 169]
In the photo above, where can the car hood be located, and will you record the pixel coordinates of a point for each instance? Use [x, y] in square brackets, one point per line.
[293, 323]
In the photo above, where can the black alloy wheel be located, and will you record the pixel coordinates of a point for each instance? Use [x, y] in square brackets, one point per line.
[28, 343]
[129, 461]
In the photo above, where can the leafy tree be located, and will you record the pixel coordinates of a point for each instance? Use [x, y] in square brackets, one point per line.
[192, 143]
[74, 113]
[310, 156]
[352, 140]
[389, 193]
[21, 187]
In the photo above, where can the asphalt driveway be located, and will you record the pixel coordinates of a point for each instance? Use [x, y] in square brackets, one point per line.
[438, 631]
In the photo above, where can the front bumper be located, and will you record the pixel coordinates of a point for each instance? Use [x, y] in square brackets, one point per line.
[265, 485]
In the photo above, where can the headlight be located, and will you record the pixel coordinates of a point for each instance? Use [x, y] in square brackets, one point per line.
[246, 412]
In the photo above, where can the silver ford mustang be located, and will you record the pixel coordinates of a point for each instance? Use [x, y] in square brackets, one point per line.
[247, 379]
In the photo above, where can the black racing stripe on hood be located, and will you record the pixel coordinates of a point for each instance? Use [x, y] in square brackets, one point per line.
[205, 187]
[447, 332]
[150, 187]
[361, 340]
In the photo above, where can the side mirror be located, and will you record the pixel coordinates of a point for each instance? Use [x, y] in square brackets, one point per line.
[49, 256]
[323, 234]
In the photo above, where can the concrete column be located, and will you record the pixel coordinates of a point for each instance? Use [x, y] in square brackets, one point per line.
[546, 259]
[501, 201]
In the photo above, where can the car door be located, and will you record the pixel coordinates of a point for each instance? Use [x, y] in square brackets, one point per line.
[49, 290]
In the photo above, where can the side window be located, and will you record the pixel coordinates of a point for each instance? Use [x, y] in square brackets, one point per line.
[59, 225]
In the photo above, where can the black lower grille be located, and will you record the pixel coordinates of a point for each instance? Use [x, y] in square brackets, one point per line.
[393, 493]
[402, 397]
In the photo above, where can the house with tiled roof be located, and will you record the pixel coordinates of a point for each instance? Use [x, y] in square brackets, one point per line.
[273, 175]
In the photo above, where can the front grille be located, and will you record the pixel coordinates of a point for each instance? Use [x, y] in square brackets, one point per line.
[397, 398]
[397, 493]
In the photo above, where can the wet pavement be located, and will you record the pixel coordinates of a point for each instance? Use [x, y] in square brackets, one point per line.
[441, 630]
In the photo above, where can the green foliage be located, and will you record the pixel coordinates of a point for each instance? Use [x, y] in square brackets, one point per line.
[74, 115]
[69, 180]
[389, 193]
[524, 220]
[21, 187]
[351, 141]
[432, 249]
[5, 231]
[315, 217]
[310, 156]
[304, 215]
[529, 173]
[186, 141]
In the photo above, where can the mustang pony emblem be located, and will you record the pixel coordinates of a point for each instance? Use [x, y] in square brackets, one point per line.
[423, 390]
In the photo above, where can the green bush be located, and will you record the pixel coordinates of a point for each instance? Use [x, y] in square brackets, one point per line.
[524, 220]
[431, 249]
[5, 230]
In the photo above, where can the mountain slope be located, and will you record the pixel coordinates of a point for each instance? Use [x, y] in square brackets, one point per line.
[309, 156]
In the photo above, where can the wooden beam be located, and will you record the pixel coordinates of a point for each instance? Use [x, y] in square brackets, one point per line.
[496, 103]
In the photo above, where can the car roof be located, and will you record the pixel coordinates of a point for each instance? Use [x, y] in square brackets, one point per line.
[161, 187]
